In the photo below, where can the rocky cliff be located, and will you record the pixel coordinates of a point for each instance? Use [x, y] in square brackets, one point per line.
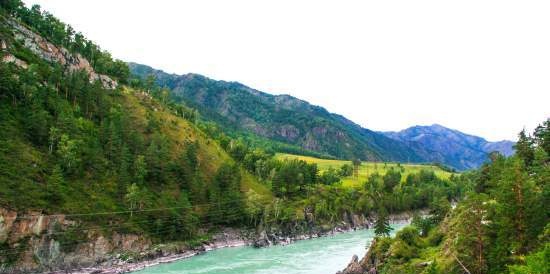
[50, 52]
[367, 265]
[37, 243]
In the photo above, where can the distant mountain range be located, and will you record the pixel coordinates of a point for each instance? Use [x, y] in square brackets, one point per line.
[437, 143]
[286, 119]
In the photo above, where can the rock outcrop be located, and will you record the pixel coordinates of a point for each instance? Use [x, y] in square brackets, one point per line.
[370, 263]
[38, 243]
[367, 265]
[52, 53]
[307, 229]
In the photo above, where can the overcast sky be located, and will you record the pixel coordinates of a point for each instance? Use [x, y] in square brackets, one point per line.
[482, 67]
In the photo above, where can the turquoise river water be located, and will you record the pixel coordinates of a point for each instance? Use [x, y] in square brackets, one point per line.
[325, 255]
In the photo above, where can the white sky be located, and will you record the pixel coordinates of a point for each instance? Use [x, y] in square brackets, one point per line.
[482, 67]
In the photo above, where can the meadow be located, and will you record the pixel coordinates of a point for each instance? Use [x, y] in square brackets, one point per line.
[366, 168]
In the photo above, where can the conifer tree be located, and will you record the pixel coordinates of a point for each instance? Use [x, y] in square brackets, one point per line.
[382, 226]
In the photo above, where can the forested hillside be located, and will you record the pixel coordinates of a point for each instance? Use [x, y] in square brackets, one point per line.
[501, 226]
[75, 140]
[98, 167]
[71, 144]
[281, 119]
[286, 124]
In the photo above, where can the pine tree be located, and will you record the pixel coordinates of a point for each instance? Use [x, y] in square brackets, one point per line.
[524, 148]
[469, 235]
[382, 226]
[124, 171]
[542, 136]
[54, 186]
[140, 170]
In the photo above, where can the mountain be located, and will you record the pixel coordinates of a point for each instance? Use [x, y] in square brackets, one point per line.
[437, 143]
[280, 118]
[79, 148]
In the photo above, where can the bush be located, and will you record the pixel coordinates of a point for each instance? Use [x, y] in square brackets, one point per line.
[401, 250]
[409, 235]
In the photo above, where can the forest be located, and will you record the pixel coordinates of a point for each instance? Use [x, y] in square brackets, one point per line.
[501, 225]
[136, 160]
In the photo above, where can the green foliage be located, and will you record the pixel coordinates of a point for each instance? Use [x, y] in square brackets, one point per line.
[382, 225]
[55, 187]
[69, 238]
[501, 226]
[391, 179]
[228, 202]
[535, 263]
[330, 176]
[346, 170]
[409, 235]
[293, 176]
[64, 35]
[282, 123]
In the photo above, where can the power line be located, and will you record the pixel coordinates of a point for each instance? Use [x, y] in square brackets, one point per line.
[120, 212]
[204, 222]
[161, 231]
[183, 207]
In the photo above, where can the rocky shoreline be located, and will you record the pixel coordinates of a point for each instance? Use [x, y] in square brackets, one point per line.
[227, 238]
[367, 264]
[233, 238]
[120, 253]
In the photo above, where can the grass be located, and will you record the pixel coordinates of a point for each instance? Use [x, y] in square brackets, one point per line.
[210, 154]
[366, 168]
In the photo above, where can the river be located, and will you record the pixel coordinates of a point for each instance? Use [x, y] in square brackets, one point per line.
[325, 255]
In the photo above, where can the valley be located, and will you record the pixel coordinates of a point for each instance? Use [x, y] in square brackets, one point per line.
[365, 169]
[108, 166]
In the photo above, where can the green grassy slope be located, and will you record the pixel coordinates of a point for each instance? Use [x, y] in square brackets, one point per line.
[366, 168]
[280, 118]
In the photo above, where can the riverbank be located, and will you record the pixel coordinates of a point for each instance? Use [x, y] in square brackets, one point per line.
[227, 238]
[160, 254]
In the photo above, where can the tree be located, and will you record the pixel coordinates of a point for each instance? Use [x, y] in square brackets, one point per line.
[53, 137]
[254, 207]
[439, 209]
[356, 164]
[164, 95]
[517, 217]
[54, 186]
[329, 176]
[238, 150]
[135, 197]
[535, 263]
[124, 171]
[68, 150]
[140, 169]
[382, 226]
[469, 235]
[524, 148]
[542, 136]
[346, 170]
[11, 6]
[157, 158]
[225, 195]
[392, 178]
[150, 82]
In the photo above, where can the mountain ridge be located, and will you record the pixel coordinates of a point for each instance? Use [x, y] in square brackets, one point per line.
[287, 119]
[451, 146]
[282, 118]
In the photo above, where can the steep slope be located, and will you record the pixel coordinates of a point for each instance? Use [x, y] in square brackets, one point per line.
[452, 147]
[508, 195]
[89, 167]
[280, 118]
